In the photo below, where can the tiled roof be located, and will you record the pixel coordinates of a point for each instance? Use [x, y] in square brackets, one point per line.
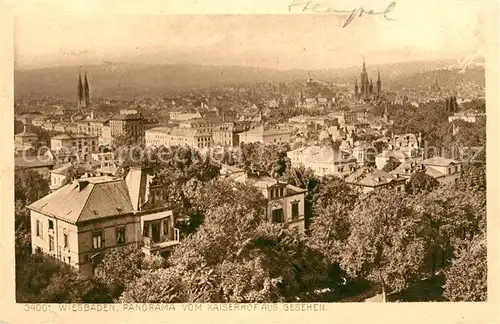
[373, 178]
[86, 199]
[126, 117]
[439, 161]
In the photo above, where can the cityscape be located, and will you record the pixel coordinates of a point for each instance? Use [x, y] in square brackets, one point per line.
[147, 182]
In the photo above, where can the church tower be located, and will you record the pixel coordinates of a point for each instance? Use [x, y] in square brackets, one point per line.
[356, 90]
[379, 84]
[86, 91]
[80, 101]
[83, 92]
[370, 87]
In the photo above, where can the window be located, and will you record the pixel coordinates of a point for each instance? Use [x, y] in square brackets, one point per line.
[456, 168]
[281, 192]
[295, 210]
[51, 243]
[65, 240]
[277, 216]
[69, 260]
[38, 228]
[120, 235]
[51, 225]
[97, 240]
[272, 193]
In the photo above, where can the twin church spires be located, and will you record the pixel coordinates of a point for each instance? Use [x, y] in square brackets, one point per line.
[365, 89]
[83, 92]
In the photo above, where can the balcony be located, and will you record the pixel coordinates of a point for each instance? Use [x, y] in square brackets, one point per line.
[152, 246]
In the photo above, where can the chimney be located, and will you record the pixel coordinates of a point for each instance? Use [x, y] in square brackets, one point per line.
[82, 184]
[138, 180]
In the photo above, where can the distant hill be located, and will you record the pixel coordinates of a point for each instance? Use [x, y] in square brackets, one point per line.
[128, 80]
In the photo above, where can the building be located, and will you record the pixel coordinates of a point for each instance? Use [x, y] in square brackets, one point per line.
[408, 141]
[374, 180]
[323, 160]
[104, 159]
[61, 176]
[398, 155]
[265, 135]
[365, 89]
[83, 92]
[285, 202]
[80, 144]
[165, 136]
[364, 153]
[129, 125]
[79, 222]
[105, 138]
[183, 116]
[446, 171]
[469, 116]
[227, 134]
[25, 140]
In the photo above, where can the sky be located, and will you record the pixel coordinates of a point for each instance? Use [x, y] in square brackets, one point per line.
[79, 33]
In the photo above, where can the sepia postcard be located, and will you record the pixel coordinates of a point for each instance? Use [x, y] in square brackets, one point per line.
[249, 161]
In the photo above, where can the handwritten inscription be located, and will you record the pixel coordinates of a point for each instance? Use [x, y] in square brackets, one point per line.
[310, 6]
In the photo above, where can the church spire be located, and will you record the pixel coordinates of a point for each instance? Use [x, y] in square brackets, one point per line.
[364, 65]
[86, 91]
[379, 84]
[79, 90]
[356, 89]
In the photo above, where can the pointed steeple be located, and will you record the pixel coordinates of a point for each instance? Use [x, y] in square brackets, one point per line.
[86, 91]
[379, 84]
[356, 89]
[80, 95]
[364, 65]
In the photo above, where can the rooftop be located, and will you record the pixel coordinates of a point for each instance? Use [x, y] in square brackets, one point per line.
[126, 117]
[365, 177]
[439, 161]
[87, 199]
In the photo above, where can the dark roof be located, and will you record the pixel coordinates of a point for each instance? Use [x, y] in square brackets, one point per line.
[31, 162]
[87, 199]
[126, 117]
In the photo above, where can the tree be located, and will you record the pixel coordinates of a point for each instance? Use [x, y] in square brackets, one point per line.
[420, 182]
[268, 158]
[466, 279]
[473, 178]
[29, 186]
[449, 220]
[235, 255]
[118, 266]
[43, 279]
[391, 164]
[332, 200]
[383, 244]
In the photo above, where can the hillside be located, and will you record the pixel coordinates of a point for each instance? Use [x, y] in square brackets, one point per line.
[127, 80]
